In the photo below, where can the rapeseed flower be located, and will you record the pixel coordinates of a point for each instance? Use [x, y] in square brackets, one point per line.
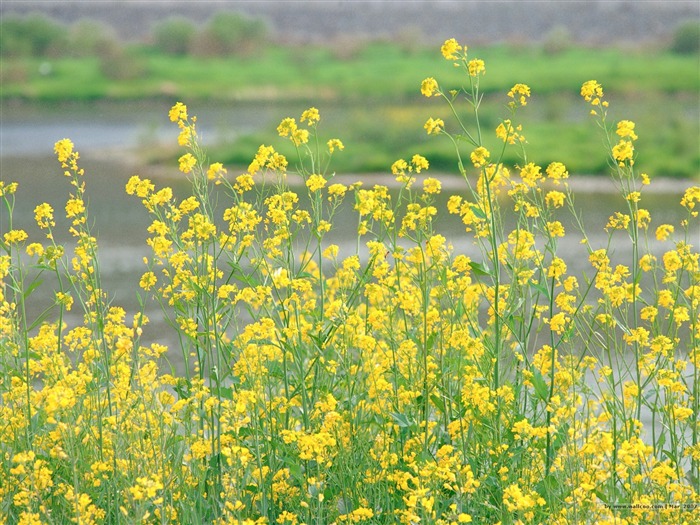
[434, 126]
[187, 163]
[479, 156]
[311, 116]
[519, 94]
[416, 377]
[429, 87]
[177, 113]
[451, 48]
[476, 67]
[315, 182]
[335, 144]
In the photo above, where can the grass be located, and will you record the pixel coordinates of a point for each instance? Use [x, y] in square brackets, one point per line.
[314, 73]
[384, 76]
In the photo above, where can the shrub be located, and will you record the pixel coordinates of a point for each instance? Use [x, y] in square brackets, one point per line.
[31, 35]
[230, 34]
[119, 63]
[174, 36]
[557, 40]
[686, 39]
[394, 378]
[91, 38]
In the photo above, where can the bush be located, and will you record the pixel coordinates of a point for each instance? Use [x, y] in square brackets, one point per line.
[385, 376]
[230, 34]
[91, 38]
[118, 63]
[33, 35]
[686, 39]
[557, 41]
[174, 36]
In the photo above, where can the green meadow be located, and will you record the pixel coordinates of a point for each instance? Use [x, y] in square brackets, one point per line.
[362, 82]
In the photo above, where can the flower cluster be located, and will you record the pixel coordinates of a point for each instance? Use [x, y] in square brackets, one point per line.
[403, 380]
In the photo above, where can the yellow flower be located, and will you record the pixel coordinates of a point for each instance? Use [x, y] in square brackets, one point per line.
[623, 151]
[434, 126]
[9, 189]
[139, 187]
[555, 199]
[311, 116]
[299, 136]
[216, 171]
[504, 131]
[334, 144]
[419, 163]
[337, 190]
[625, 128]
[178, 112]
[558, 322]
[331, 252]
[75, 207]
[287, 127]
[185, 136]
[35, 249]
[592, 92]
[450, 48]
[63, 149]
[15, 236]
[556, 171]
[429, 87]
[663, 231]
[643, 218]
[531, 173]
[690, 197]
[557, 268]
[432, 186]
[148, 280]
[618, 221]
[519, 93]
[399, 167]
[315, 182]
[479, 156]
[43, 214]
[476, 66]
[187, 162]
[555, 229]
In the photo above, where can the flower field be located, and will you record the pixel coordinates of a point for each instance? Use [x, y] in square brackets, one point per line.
[406, 382]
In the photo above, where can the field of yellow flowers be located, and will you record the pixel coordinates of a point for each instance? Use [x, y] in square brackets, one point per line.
[404, 383]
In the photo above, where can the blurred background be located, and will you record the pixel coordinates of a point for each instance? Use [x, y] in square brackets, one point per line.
[105, 73]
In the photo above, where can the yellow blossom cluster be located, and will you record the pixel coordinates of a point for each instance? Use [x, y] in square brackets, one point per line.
[411, 379]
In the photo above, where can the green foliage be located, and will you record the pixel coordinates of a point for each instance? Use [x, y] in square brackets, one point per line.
[90, 38]
[557, 41]
[174, 36]
[230, 33]
[117, 63]
[33, 35]
[686, 40]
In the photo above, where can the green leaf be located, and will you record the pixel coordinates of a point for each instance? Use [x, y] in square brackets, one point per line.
[540, 385]
[31, 288]
[439, 402]
[479, 269]
[401, 420]
[479, 213]
[539, 287]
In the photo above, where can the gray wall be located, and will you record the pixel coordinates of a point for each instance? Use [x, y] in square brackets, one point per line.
[476, 22]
